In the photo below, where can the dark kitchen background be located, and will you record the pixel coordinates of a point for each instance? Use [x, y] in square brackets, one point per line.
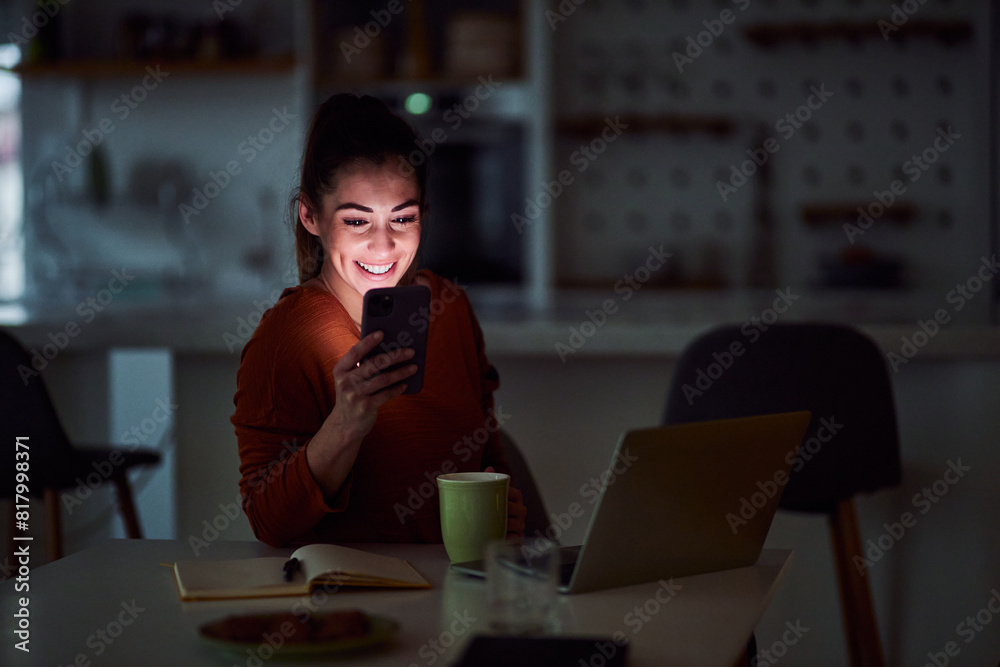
[836, 157]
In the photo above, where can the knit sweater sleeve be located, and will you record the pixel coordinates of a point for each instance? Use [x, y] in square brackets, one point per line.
[285, 390]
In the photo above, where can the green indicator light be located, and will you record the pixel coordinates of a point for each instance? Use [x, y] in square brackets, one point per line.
[418, 103]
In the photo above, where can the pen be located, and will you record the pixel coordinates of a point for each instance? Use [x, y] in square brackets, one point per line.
[290, 568]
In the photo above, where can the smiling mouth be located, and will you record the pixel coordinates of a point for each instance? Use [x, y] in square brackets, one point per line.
[375, 268]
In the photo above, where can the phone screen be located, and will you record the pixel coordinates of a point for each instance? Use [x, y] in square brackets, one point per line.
[402, 315]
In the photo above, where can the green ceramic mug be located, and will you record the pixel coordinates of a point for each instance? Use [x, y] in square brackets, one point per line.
[473, 512]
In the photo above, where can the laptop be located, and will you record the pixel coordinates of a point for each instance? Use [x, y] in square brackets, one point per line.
[693, 498]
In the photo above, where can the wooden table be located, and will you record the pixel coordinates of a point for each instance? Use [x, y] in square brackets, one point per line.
[118, 605]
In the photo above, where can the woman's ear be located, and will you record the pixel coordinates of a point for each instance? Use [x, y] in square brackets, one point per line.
[308, 217]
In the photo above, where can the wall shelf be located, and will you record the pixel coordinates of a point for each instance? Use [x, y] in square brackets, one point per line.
[671, 123]
[396, 84]
[768, 35]
[103, 69]
[820, 214]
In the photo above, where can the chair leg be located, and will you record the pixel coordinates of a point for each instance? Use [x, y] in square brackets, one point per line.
[742, 661]
[129, 515]
[53, 531]
[860, 624]
[749, 656]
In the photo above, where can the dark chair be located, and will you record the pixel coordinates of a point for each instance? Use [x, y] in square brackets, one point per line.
[522, 479]
[53, 463]
[851, 446]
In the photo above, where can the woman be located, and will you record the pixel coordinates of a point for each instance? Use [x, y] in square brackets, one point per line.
[330, 450]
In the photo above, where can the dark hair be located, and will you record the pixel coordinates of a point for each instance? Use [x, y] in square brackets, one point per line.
[346, 130]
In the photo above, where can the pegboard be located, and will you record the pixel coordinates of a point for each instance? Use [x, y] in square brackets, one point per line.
[888, 100]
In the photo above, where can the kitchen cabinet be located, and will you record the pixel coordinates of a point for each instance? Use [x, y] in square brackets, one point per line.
[478, 68]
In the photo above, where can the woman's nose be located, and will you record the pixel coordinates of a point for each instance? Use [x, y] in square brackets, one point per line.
[381, 241]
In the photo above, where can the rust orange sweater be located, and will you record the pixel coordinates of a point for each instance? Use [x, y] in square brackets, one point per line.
[285, 391]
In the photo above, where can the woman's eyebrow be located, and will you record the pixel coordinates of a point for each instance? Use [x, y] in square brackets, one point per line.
[351, 205]
[406, 204]
[359, 207]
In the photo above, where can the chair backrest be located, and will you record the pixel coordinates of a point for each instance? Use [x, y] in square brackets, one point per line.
[838, 373]
[28, 411]
[522, 479]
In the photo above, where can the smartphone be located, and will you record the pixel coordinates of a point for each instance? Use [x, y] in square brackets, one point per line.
[494, 651]
[401, 314]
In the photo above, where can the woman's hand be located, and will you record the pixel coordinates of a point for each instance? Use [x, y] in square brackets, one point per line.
[361, 389]
[516, 513]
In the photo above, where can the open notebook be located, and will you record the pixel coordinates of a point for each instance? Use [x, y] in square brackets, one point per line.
[319, 565]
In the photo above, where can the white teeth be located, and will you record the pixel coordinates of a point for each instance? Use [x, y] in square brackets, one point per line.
[377, 270]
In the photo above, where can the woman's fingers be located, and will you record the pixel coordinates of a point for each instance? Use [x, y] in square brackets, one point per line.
[355, 355]
[381, 386]
[516, 513]
[358, 377]
[371, 368]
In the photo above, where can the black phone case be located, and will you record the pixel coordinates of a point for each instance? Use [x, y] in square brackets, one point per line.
[493, 651]
[405, 326]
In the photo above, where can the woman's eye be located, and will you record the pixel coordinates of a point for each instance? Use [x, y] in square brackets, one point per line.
[354, 223]
[409, 218]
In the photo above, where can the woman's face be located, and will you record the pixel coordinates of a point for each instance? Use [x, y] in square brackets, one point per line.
[369, 228]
